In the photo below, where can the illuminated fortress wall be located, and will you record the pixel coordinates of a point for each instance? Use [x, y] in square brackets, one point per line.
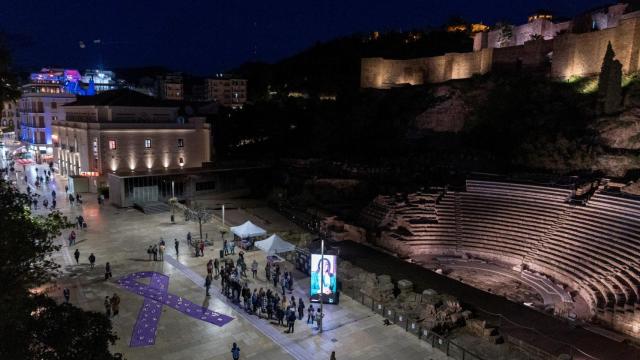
[582, 54]
[567, 54]
[386, 73]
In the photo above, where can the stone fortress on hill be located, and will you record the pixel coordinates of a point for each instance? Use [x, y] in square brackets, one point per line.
[562, 49]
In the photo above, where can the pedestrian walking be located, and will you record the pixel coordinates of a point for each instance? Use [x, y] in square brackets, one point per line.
[150, 252]
[176, 244]
[254, 268]
[107, 271]
[225, 247]
[189, 238]
[67, 294]
[72, 238]
[216, 266]
[53, 203]
[66, 188]
[207, 284]
[92, 260]
[76, 254]
[71, 199]
[53, 194]
[333, 356]
[235, 352]
[154, 250]
[201, 248]
[115, 304]
[107, 306]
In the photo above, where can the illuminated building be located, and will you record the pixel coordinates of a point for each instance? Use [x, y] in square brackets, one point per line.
[103, 80]
[124, 131]
[228, 90]
[41, 104]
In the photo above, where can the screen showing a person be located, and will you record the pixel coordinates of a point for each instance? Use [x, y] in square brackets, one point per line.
[323, 278]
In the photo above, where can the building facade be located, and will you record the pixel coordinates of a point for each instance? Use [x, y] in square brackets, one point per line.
[228, 90]
[125, 131]
[9, 116]
[41, 104]
[171, 87]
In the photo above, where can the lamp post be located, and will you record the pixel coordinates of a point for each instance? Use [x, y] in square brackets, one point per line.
[173, 196]
[223, 215]
[321, 283]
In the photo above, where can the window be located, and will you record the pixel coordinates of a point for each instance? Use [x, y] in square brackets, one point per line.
[147, 143]
[180, 143]
[112, 145]
[54, 105]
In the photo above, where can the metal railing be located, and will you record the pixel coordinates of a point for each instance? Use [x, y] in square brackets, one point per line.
[413, 326]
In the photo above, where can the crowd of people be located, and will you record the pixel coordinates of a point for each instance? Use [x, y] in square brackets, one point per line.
[265, 302]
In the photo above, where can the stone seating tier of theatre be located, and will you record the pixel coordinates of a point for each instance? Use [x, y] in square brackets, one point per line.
[592, 249]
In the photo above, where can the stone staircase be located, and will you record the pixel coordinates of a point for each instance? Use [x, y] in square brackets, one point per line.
[458, 220]
[535, 247]
[153, 207]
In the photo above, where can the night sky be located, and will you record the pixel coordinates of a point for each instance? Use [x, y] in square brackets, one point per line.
[208, 36]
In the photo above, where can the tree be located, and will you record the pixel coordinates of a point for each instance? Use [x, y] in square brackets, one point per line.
[610, 83]
[33, 326]
[8, 80]
[198, 214]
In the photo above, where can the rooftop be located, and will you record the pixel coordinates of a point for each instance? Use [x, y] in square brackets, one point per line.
[120, 97]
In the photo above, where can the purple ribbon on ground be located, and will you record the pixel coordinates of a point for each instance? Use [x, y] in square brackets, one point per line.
[155, 295]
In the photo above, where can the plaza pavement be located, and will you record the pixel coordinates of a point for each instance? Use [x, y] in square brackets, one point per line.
[121, 236]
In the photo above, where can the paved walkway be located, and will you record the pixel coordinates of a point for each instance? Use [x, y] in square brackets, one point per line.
[121, 236]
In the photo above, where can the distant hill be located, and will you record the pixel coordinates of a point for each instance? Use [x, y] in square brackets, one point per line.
[333, 67]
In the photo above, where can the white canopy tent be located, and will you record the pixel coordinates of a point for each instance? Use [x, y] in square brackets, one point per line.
[274, 244]
[247, 230]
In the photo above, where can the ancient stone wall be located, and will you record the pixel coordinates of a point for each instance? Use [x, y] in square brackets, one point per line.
[387, 73]
[582, 54]
[570, 55]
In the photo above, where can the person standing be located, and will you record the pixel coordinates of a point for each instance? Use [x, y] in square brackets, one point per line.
[161, 252]
[176, 245]
[201, 248]
[210, 267]
[291, 321]
[107, 306]
[225, 247]
[216, 265]
[67, 294]
[115, 304]
[235, 352]
[66, 188]
[154, 251]
[333, 356]
[267, 271]
[76, 254]
[207, 284]
[300, 309]
[254, 268]
[310, 314]
[319, 316]
[107, 271]
[92, 260]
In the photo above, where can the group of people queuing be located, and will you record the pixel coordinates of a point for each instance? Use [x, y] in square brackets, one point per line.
[268, 303]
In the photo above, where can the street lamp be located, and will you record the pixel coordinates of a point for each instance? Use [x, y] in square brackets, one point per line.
[173, 199]
[321, 283]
